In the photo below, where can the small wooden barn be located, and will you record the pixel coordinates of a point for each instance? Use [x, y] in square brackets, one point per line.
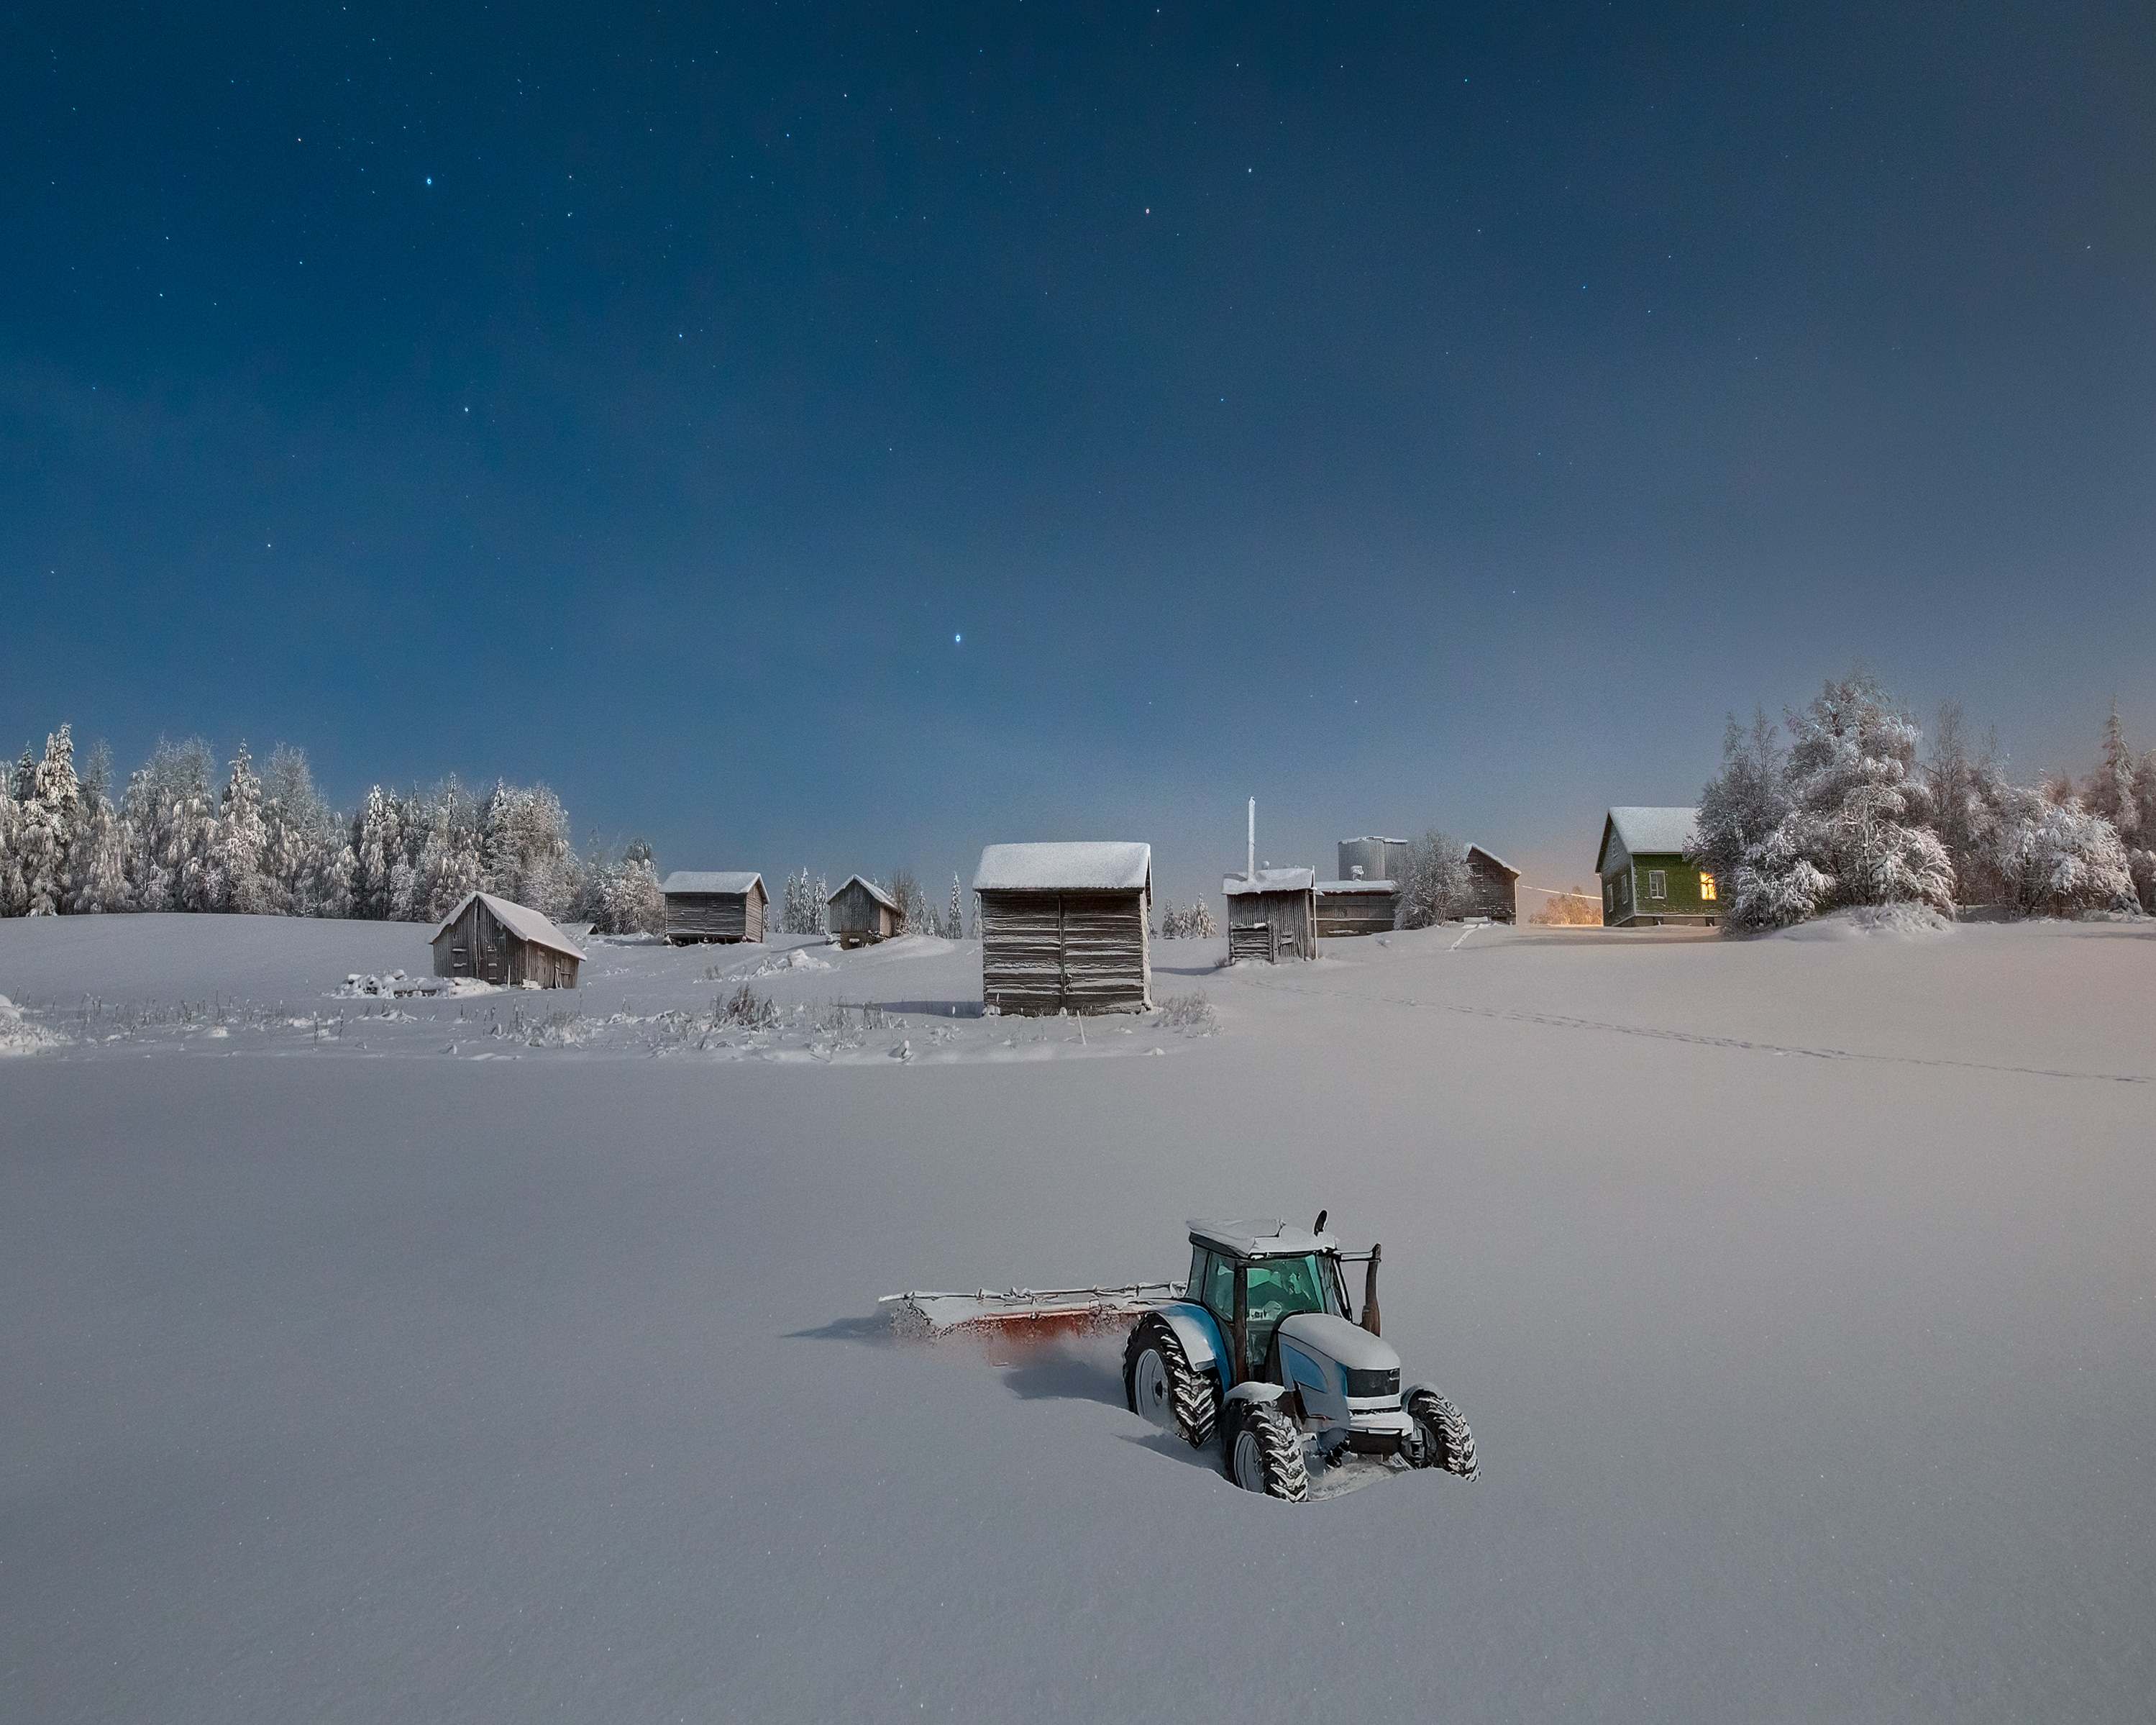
[1272, 914]
[1493, 886]
[1647, 877]
[1355, 907]
[860, 912]
[714, 906]
[496, 942]
[1065, 926]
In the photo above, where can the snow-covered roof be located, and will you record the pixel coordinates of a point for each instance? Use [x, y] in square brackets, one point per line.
[1492, 856]
[1080, 867]
[1272, 880]
[1647, 833]
[872, 889]
[522, 921]
[1372, 838]
[1357, 886]
[691, 880]
[1266, 1239]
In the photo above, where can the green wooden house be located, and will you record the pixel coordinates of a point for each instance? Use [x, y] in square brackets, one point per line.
[1646, 880]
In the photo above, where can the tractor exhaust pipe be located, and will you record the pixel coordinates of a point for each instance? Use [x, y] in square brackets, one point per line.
[1370, 1291]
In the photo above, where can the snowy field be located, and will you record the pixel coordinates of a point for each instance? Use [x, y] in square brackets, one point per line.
[510, 1356]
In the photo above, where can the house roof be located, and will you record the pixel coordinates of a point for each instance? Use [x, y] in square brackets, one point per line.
[1372, 839]
[1647, 833]
[1260, 1239]
[1272, 880]
[1492, 856]
[872, 889]
[1357, 886]
[524, 923]
[1079, 867]
[691, 880]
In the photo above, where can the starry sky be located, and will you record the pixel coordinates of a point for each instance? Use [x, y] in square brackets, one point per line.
[845, 436]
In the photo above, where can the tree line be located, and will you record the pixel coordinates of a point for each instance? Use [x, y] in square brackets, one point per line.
[1846, 803]
[267, 843]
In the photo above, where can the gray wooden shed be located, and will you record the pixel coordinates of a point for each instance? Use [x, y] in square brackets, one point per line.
[1492, 886]
[861, 913]
[709, 905]
[495, 941]
[1065, 926]
[1356, 907]
[1272, 915]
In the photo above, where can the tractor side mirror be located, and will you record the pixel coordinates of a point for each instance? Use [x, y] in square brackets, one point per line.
[1370, 1291]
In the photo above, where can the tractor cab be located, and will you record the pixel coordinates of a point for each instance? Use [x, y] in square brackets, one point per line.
[1250, 1276]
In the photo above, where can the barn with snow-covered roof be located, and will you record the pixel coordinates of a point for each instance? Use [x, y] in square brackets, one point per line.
[1065, 926]
[1492, 886]
[714, 905]
[860, 912]
[1647, 878]
[1272, 914]
[493, 941]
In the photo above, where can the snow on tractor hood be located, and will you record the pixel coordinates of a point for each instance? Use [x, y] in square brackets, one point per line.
[1348, 1344]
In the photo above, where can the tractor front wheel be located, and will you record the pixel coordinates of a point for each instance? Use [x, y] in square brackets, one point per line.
[1441, 1437]
[1265, 1453]
[1161, 1386]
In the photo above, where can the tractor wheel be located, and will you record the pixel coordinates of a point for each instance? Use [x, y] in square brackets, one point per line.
[1160, 1385]
[1265, 1453]
[1442, 1439]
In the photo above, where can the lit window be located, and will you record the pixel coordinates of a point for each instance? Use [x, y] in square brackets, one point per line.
[1706, 887]
[1658, 883]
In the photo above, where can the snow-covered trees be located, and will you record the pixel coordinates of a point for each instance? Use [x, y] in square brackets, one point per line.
[1192, 922]
[237, 881]
[1844, 819]
[1433, 881]
[620, 895]
[805, 910]
[1847, 817]
[955, 928]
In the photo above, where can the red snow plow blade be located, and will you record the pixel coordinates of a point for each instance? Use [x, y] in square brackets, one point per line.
[1024, 1317]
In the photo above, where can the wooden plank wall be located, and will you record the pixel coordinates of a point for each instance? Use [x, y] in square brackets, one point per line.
[854, 917]
[712, 916]
[1045, 951]
[1270, 926]
[1340, 914]
[1491, 891]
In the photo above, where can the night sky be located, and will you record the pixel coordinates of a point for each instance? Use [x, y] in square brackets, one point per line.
[810, 434]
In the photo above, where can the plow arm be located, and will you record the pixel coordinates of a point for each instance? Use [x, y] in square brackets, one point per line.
[1028, 1315]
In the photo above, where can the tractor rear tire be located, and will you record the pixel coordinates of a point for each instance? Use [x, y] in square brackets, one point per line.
[1161, 1386]
[1264, 1452]
[1445, 1441]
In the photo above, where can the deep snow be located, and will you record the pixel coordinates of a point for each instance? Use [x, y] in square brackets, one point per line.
[1799, 1291]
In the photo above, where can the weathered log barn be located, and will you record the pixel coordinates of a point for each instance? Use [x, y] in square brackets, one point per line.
[714, 906]
[861, 913]
[1646, 880]
[496, 942]
[1493, 886]
[1272, 914]
[1355, 907]
[1063, 926]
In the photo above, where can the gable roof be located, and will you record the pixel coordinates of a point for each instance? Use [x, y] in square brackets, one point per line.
[873, 890]
[1078, 866]
[1474, 851]
[1647, 833]
[691, 880]
[1272, 880]
[522, 921]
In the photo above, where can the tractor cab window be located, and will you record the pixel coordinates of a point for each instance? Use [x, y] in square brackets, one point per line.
[1280, 1286]
[1218, 1288]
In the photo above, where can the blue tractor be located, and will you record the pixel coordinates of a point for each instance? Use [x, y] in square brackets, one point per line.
[1262, 1349]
